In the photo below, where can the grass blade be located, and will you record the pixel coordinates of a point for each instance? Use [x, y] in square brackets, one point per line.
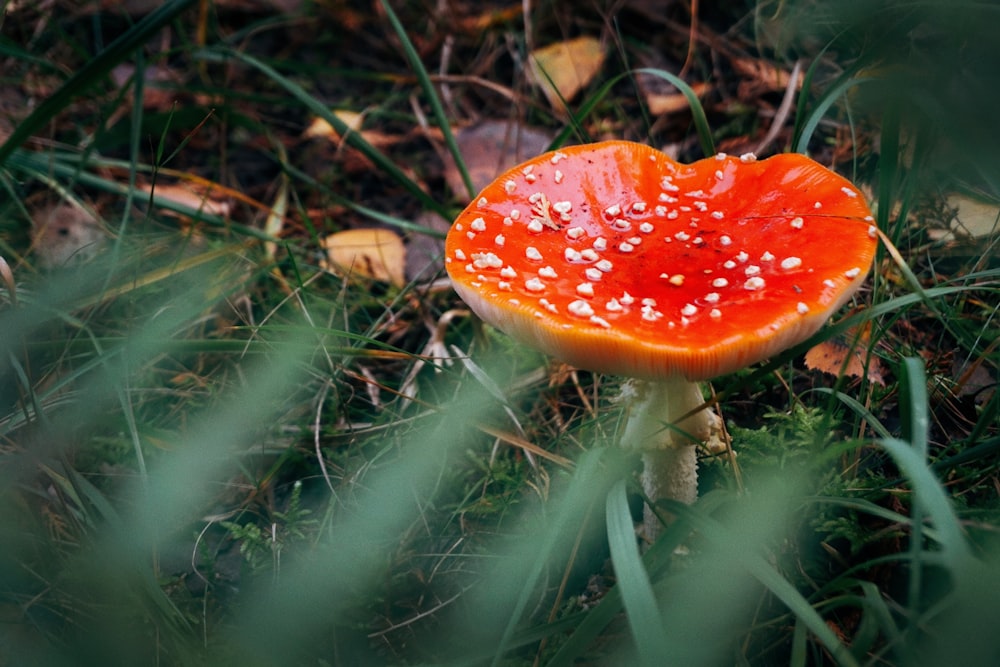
[637, 594]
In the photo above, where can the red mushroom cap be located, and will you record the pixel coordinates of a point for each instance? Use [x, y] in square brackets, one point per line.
[615, 258]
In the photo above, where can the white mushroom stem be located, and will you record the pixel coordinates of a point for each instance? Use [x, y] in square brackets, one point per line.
[668, 446]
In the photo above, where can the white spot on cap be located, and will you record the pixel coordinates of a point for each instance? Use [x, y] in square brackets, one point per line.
[503, 286]
[688, 310]
[802, 308]
[720, 282]
[536, 226]
[531, 252]
[600, 243]
[557, 156]
[720, 156]
[572, 255]
[818, 204]
[712, 297]
[547, 272]
[682, 236]
[548, 305]
[558, 177]
[646, 227]
[715, 313]
[627, 299]
[849, 192]
[589, 254]
[509, 187]
[853, 273]
[459, 255]
[482, 202]
[748, 157]
[719, 175]
[725, 240]
[478, 225]
[752, 270]
[797, 223]
[754, 284]
[829, 283]
[600, 321]
[614, 306]
[580, 308]
[729, 264]
[508, 272]
[515, 214]
[665, 184]
[742, 257]
[701, 206]
[604, 265]
[638, 207]
[676, 280]
[625, 246]
[650, 314]
[575, 232]
[486, 260]
[718, 215]
[593, 274]
[767, 257]
[613, 210]
[872, 231]
[499, 240]
[534, 285]
[562, 206]
[790, 263]
[585, 289]
[660, 210]
[621, 224]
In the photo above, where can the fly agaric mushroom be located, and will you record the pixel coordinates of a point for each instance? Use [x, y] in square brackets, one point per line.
[614, 258]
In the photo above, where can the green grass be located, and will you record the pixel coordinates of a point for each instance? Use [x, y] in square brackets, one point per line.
[213, 452]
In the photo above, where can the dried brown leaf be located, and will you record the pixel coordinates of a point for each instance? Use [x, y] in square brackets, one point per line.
[489, 148]
[64, 235]
[830, 356]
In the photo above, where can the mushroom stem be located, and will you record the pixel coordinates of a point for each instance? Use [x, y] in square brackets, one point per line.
[669, 452]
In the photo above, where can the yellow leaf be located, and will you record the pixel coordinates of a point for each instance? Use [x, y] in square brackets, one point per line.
[561, 70]
[190, 196]
[321, 128]
[375, 253]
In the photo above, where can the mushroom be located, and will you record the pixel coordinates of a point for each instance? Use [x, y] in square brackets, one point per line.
[615, 258]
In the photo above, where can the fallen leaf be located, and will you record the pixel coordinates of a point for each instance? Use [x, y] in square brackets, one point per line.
[489, 148]
[661, 96]
[563, 69]
[973, 379]
[160, 84]
[64, 235]
[190, 196]
[661, 104]
[320, 128]
[762, 77]
[830, 356]
[375, 253]
[974, 217]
